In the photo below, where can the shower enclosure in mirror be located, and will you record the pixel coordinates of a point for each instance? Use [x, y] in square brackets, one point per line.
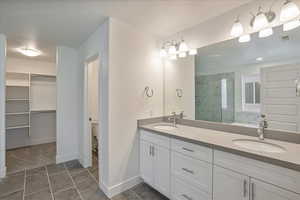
[232, 82]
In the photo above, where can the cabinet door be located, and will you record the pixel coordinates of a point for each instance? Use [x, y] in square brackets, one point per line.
[162, 169]
[229, 185]
[265, 191]
[146, 162]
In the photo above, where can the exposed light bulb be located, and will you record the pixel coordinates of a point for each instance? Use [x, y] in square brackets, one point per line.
[237, 29]
[173, 57]
[260, 21]
[244, 38]
[163, 53]
[182, 55]
[29, 51]
[259, 59]
[291, 25]
[289, 11]
[193, 52]
[265, 32]
[183, 46]
[172, 50]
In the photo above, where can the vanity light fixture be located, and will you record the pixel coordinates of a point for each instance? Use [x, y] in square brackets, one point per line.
[237, 29]
[289, 11]
[163, 53]
[176, 49]
[291, 25]
[244, 38]
[260, 21]
[29, 51]
[265, 32]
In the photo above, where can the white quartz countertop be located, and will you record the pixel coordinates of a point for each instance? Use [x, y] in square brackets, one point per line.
[290, 158]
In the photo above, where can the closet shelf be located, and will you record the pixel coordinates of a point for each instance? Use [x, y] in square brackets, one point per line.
[40, 111]
[15, 85]
[18, 113]
[17, 99]
[17, 127]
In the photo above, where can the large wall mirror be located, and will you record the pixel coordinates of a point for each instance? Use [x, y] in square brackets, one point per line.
[232, 82]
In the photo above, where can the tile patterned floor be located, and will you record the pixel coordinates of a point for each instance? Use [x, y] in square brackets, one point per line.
[66, 181]
[30, 157]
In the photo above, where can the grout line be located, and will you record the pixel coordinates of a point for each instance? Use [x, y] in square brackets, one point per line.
[73, 182]
[50, 187]
[24, 184]
[93, 177]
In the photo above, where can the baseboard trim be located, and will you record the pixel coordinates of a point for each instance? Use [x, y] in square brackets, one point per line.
[121, 187]
[3, 172]
[65, 158]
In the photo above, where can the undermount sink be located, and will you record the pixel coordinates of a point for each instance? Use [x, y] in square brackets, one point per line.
[166, 127]
[260, 146]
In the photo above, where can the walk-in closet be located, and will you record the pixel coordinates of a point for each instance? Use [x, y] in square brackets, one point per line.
[30, 113]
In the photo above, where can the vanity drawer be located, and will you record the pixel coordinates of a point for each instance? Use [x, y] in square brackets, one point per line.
[183, 191]
[155, 138]
[192, 150]
[195, 172]
[273, 174]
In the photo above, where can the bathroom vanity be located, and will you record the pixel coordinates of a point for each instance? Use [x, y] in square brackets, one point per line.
[190, 163]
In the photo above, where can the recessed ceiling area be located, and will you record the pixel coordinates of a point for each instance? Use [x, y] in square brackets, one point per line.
[44, 24]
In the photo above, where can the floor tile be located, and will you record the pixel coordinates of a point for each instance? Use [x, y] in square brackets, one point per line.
[70, 194]
[36, 183]
[41, 195]
[13, 196]
[34, 171]
[96, 194]
[55, 168]
[127, 195]
[81, 176]
[12, 183]
[88, 184]
[145, 192]
[74, 166]
[60, 181]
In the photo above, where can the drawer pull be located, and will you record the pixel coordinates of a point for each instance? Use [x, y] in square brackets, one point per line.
[187, 197]
[187, 170]
[186, 149]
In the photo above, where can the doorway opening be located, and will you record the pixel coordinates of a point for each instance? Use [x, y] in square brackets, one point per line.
[92, 71]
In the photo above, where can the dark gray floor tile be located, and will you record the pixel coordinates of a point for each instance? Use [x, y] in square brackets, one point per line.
[41, 195]
[95, 194]
[13, 196]
[36, 183]
[70, 194]
[127, 195]
[88, 184]
[145, 192]
[95, 173]
[34, 171]
[81, 176]
[12, 183]
[60, 181]
[55, 168]
[74, 166]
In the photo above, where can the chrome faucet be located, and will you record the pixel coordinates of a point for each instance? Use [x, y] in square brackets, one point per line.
[173, 118]
[263, 124]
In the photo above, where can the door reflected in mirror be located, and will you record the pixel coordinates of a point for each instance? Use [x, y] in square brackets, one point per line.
[232, 82]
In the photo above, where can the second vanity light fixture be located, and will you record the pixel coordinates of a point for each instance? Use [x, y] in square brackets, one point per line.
[174, 49]
[289, 16]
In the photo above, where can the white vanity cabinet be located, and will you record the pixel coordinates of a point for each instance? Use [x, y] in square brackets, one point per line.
[230, 185]
[187, 171]
[155, 161]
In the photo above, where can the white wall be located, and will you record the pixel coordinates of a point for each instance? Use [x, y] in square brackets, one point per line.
[180, 75]
[95, 45]
[134, 63]
[30, 66]
[2, 104]
[67, 114]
